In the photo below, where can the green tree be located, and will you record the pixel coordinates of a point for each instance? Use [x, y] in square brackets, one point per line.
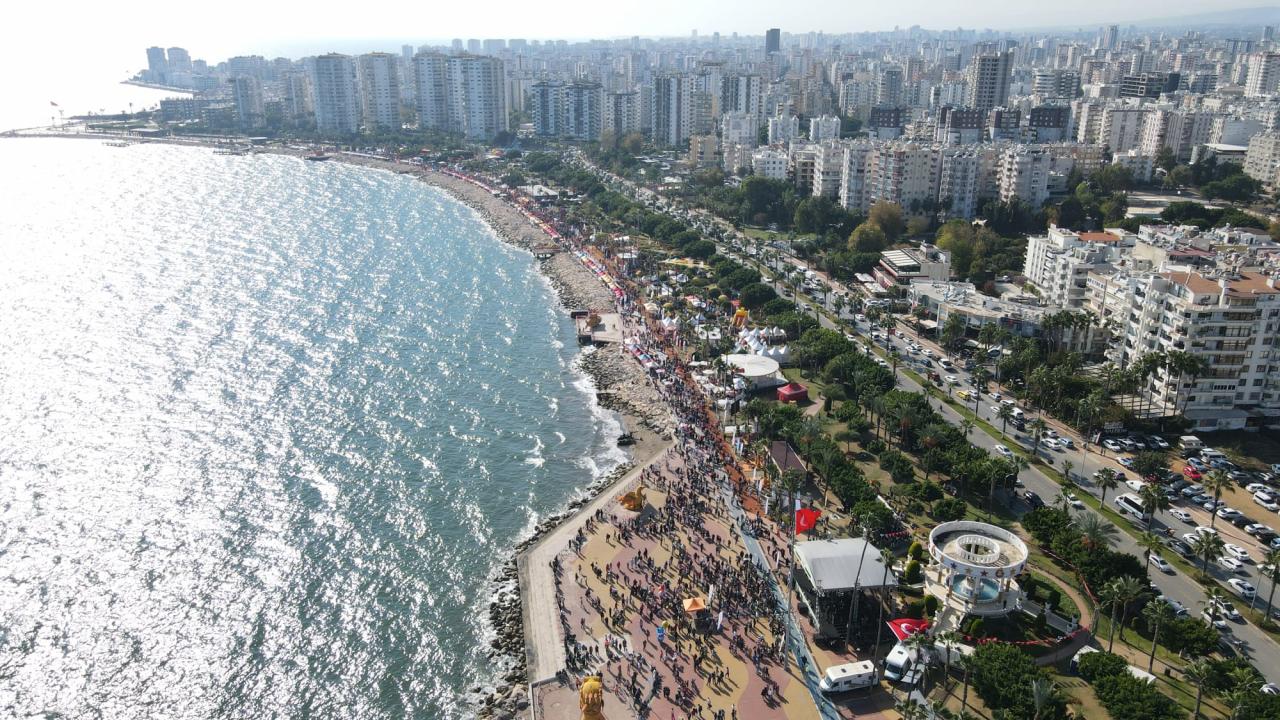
[868, 238]
[888, 217]
[1157, 614]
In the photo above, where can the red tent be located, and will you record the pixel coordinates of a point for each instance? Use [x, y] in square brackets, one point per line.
[904, 628]
[793, 392]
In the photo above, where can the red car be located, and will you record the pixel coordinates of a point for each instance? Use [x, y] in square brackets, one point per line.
[1191, 473]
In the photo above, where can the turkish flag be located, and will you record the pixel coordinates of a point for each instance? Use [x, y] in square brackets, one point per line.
[806, 519]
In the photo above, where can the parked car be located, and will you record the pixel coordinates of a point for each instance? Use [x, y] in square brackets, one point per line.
[1127, 462]
[1191, 491]
[1191, 473]
[1226, 609]
[1180, 547]
[1161, 564]
[1214, 619]
[1237, 552]
[1182, 515]
[1257, 529]
[1231, 564]
[1112, 445]
[1067, 443]
[1243, 588]
[1159, 442]
[1267, 501]
[1226, 513]
[1256, 488]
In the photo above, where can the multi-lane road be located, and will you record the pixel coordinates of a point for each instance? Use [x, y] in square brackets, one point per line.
[1253, 643]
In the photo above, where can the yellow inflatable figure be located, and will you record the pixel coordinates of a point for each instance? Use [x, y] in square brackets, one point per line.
[591, 698]
[633, 500]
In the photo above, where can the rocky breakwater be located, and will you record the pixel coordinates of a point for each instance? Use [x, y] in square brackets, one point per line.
[510, 698]
[622, 385]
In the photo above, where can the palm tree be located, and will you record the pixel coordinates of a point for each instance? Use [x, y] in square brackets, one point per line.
[1095, 531]
[1150, 543]
[1106, 479]
[947, 641]
[1005, 413]
[1156, 613]
[1215, 481]
[921, 644]
[911, 710]
[1110, 595]
[1153, 501]
[966, 427]
[1124, 590]
[1271, 559]
[1199, 673]
[1044, 695]
[1208, 547]
[1067, 467]
[1037, 428]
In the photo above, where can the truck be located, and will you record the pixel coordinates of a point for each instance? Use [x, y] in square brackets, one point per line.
[1190, 442]
[904, 665]
[849, 676]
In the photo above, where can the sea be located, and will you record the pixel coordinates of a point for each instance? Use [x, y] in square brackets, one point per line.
[268, 428]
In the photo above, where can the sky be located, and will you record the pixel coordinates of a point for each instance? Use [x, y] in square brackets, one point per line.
[54, 49]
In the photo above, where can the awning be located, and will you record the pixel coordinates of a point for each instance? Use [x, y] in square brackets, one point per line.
[693, 605]
[843, 564]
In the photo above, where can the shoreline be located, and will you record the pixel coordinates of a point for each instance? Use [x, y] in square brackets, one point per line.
[620, 385]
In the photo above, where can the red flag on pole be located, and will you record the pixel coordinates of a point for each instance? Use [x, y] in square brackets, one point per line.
[806, 519]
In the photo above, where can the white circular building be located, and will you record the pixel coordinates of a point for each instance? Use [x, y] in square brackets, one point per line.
[974, 566]
[759, 371]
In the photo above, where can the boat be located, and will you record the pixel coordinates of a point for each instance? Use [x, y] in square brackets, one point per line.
[230, 151]
[626, 439]
[118, 143]
[318, 156]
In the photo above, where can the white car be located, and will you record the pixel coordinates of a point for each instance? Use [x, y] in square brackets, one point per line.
[1237, 552]
[995, 396]
[952, 380]
[1190, 539]
[1003, 451]
[1213, 618]
[1051, 443]
[1228, 513]
[1161, 564]
[1206, 530]
[1259, 529]
[1243, 588]
[1135, 484]
[1075, 501]
[1257, 487]
[1111, 445]
[1182, 515]
[1232, 564]
[1225, 609]
[1267, 502]
[860, 317]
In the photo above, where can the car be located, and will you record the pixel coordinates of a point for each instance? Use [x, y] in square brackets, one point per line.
[928, 353]
[1198, 463]
[1128, 444]
[1202, 499]
[1226, 513]
[996, 397]
[1178, 608]
[1182, 515]
[1178, 485]
[1075, 501]
[1243, 588]
[1257, 487]
[1214, 619]
[1225, 609]
[1033, 499]
[1191, 491]
[1267, 502]
[1237, 552]
[962, 394]
[1240, 521]
[952, 380]
[1190, 538]
[1135, 485]
[1158, 442]
[1231, 564]
[1258, 529]
[1270, 689]
[1212, 505]
[1111, 445]
[860, 318]
[1180, 547]
[1051, 443]
[1161, 564]
[1067, 443]
[1127, 462]
[1003, 451]
[1191, 473]
[1206, 530]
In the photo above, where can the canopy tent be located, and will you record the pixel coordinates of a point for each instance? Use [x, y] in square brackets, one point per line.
[793, 392]
[693, 605]
[841, 564]
[904, 628]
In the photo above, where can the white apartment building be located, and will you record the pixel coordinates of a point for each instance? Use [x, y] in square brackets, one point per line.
[380, 90]
[904, 173]
[853, 177]
[673, 109]
[1231, 320]
[736, 157]
[824, 128]
[783, 129]
[1024, 174]
[1059, 263]
[337, 102]
[1121, 127]
[828, 170]
[1264, 74]
[621, 115]
[1262, 159]
[740, 128]
[246, 92]
[769, 163]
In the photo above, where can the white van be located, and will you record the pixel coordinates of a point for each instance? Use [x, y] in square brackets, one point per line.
[901, 665]
[1190, 442]
[850, 676]
[1129, 503]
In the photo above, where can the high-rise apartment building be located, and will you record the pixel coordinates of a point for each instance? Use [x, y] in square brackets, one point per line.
[246, 93]
[741, 93]
[620, 116]
[336, 97]
[178, 60]
[572, 110]
[889, 86]
[380, 90]
[673, 110]
[157, 65]
[1264, 74]
[773, 40]
[989, 79]
[461, 93]
[824, 128]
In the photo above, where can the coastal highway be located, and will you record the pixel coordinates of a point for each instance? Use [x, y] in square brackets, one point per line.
[1256, 645]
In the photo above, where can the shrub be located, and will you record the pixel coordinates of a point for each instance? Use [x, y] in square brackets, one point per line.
[915, 551]
[875, 446]
[1125, 696]
[1097, 665]
[913, 574]
[974, 628]
[1002, 674]
[948, 509]
[914, 609]
[931, 604]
